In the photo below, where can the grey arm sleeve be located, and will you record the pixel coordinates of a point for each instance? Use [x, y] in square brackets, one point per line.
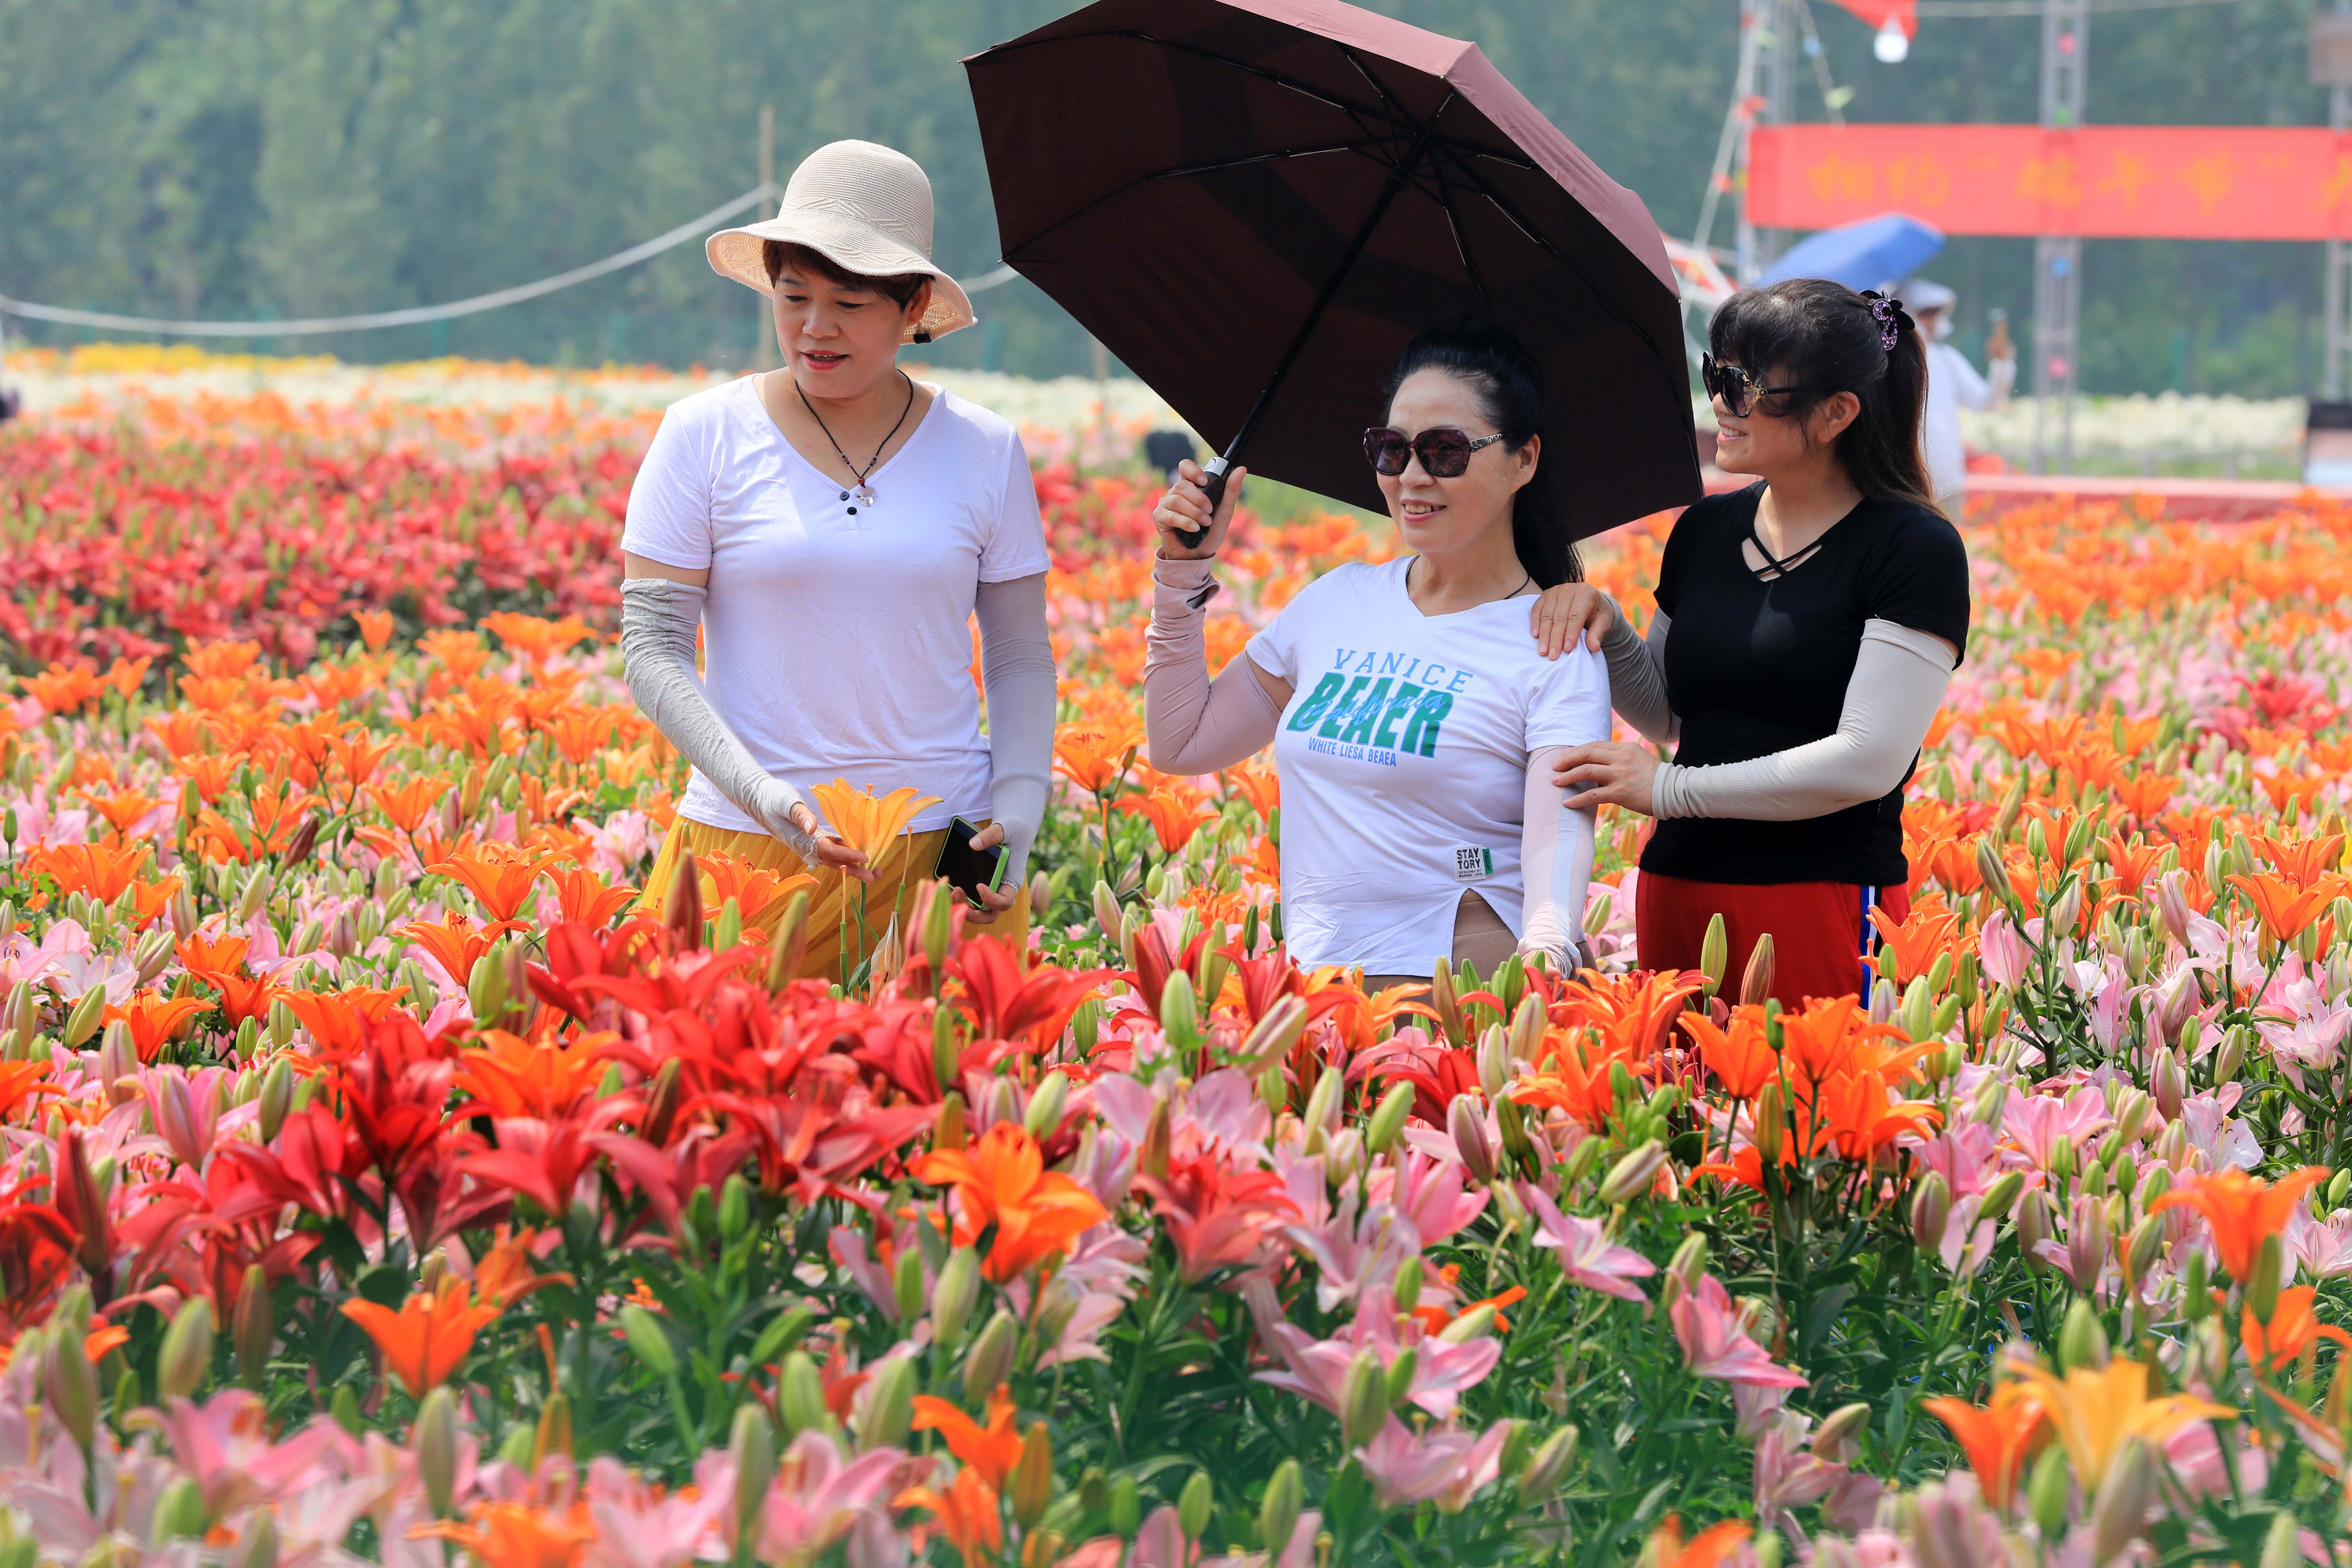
[1191, 724]
[1555, 860]
[1897, 684]
[1637, 676]
[658, 618]
[1016, 665]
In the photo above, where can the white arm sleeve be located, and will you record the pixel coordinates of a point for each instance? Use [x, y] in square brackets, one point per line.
[1555, 858]
[1016, 665]
[1637, 676]
[1193, 725]
[1897, 684]
[658, 618]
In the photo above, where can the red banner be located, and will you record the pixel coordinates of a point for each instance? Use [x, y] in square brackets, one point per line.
[2125, 182]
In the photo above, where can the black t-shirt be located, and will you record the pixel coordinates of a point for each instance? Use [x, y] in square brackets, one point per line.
[1754, 668]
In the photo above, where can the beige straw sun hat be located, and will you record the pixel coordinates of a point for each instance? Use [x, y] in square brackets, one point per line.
[865, 207]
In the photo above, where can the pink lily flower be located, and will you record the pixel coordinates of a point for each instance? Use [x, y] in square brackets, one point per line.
[2035, 1123]
[1429, 1193]
[819, 1493]
[1715, 1344]
[1587, 1257]
[224, 1445]
[1317, 1369]
[639, 1526]
[1443, 1465]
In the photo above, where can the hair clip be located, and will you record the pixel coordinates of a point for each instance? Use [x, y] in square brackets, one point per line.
[1886, 312]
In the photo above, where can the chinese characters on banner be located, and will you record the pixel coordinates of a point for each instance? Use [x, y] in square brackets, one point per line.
[2102, 182]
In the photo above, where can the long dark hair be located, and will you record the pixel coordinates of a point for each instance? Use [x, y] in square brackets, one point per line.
[1825, 339]
[1509, 380]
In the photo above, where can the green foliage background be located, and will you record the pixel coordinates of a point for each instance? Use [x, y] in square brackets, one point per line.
[244, 157]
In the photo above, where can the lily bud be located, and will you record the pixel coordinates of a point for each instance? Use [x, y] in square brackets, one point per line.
[2002, 1196]
[648, 1340]
[1474, 1324]
[1714, 954]
[938, 926]
[1278, 1512]
[2145, 1246]
[2087, 1239]
[1343, 1159]
[1194, 1504]
[906, 1284]
[1524, 1040]
[2121, 1511]
[1046, 1103]
[179, 1513]
[1033, 1476]
[2049, 1492]
[1844, 1425]
[2232, 1055]
[254, 1327]
[2066, 910]
[1495, 1057]
[1686, 1268]
[2169, 1083]
[682, 905]
[2131, 1115]
[1443, 1002]
[1770, 1116]
[890, 1406]
[800, 1394]
[1407, 1290]
[2263, 1289]
[1548, 1468]
[187, 1353]
[948, 1131]
[1387, 1121]
[1756, 980]
[1180, 1010]
[2083, 1339]
[1632, 1174]
[1915, 1014]
[259, 1543]
[1323, 1109]
[87, 1012]
[990, 1362]
[435, 1437]
[1108, 914]
[2282, 1545]
[1931, 1210]
[1468, 1125]
[953, 1296]
[70, 1383]
[153, 952]
[1270, 1040]
[789, 942]
[1363, 1400]
[2034, 1223]
[486, 989]
[753, 1443]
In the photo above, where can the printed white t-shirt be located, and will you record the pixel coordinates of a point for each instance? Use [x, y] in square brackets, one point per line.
[1403, 756]
[838, 643]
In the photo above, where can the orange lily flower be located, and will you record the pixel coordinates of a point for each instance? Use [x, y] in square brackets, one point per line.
[20, 1080]
[865, 822]
[752, 888]
[339, 1020]
[1093, 760]
[966, 1511]
[93, 870]
[1176, 812]
[509, 1270]
[428, 1337]
[1912, 947]
[202, 954]
[1004, 1183]
[1567, 1083]
[211, 776]
[588, 899]
[517, 1535]
[406, 807]
[2145, 796]
[122, 807]
[375, 627]
[2306, 862]
[61, 689]
[359, 756]
[1258, 786]
[102, 1340]
[2285, 910]
[1998, 1438]
[992, 1450]
[1833, 1036]
[154, 1018]
[2241, 1210]
[243, 997]
[1858, 1116]
[1708, 1548]
[455, 943]
[2293, 1327]
[1741, 1057]
[499, 876]
[579, 733]
[515, 1076]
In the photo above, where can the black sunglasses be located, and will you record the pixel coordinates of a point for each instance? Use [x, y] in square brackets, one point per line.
[1444, 454]
[1737, 389]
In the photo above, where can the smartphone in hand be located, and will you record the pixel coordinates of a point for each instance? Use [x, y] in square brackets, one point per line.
[968, 869]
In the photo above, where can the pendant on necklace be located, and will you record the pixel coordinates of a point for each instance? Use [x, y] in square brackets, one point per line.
[865, 494]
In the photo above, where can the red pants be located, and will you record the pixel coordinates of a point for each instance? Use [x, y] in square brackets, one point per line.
[1820, 929]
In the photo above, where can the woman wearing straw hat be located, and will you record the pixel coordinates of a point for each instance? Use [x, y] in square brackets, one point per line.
[832, 527]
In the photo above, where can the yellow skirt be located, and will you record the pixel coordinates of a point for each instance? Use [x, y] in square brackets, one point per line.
[838, 941]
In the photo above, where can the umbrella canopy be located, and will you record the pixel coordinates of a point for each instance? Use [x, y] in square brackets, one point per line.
[1256, 207]
[1863, 254]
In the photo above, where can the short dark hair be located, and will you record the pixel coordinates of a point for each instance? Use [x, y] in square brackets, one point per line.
[775, 255]
[1826, 339]
[1509, 380]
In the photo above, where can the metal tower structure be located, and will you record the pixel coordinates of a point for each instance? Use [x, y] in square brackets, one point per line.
[1767, 71]
[2333, 381]
[2058, 258]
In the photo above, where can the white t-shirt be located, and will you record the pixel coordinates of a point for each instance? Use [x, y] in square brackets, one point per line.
[1953, 385]
[1403, 755]
[838, 643]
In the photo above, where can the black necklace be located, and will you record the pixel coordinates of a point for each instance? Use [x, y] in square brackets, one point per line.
[865, 490]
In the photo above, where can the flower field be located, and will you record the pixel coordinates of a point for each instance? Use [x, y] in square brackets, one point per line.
[379, 1181]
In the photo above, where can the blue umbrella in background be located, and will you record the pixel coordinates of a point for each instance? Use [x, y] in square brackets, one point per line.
[1861, 255]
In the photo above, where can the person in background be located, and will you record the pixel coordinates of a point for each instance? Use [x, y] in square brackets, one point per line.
[833, 528]
[1953, 385]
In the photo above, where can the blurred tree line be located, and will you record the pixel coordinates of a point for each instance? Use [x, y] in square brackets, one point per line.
[250, 158]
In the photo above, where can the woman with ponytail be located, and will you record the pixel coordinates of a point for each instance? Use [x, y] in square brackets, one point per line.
[1806, 629]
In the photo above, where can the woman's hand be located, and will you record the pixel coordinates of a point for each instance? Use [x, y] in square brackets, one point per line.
[831, 851]
[1185, 507]
[1607, 773]
[1566, 609]
[994, 902]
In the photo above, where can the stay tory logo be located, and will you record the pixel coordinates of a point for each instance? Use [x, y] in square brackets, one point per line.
[1376, 707]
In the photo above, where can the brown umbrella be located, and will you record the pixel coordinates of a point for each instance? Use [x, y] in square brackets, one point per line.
[1257, 206]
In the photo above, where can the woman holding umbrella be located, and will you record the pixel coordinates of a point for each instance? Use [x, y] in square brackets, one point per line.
[832, 528]
[1807, 628]
[1414, 721]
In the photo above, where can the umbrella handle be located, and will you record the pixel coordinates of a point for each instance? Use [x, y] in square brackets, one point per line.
[1212, 485]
